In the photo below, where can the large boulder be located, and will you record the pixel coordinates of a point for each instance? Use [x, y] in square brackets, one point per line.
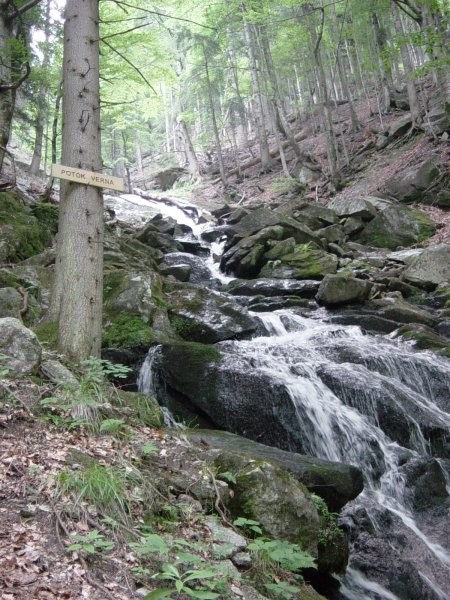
[397, 226]
[304, 262]
[409, 185]
[396, 309]
[358, 207]
[197, 269]
[20, 347]
[11, 302]
[198, 314]
[266, 493]
[431, 268]
[272, 287]
[24, 231]
[335, 482]
[339, 289]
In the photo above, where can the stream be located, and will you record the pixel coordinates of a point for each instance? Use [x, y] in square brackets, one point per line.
[361, 399]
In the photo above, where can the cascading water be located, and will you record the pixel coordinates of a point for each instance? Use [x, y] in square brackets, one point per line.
[365, 400]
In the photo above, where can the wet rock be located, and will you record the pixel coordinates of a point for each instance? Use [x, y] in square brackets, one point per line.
[20, 346]
[273, 287]
[198, 271]
[304, 262]
[201, 315]
[277, 303]
[424, 337]
[396, 309]
[180, 272]
[431, 268]
[339, 289]
[427, 481]
[266, 493]
[335, 482]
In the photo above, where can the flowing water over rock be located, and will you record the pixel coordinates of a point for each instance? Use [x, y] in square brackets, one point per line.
[328, 390]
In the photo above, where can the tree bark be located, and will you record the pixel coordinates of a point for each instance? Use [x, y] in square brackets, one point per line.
[188, 147]
[78, 291]
[41, 113]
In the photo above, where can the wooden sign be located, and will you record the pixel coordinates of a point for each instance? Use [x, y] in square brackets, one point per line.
[88, 177]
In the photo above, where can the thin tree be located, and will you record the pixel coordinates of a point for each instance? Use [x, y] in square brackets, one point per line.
[78, 290]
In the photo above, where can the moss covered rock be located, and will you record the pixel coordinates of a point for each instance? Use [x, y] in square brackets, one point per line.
[22, 234]
[342, 289]
[304, 262]
[270, 495]
[139, 409]
[397, 226]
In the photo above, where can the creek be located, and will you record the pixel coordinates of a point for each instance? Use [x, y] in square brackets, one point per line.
[339, 393]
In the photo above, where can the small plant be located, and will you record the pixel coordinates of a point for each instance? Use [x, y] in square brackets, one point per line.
[104, 487]
[286, 185]
[150, 544]
[329, 529]
[196, 583]
[282, 589]
[4, 371]
[91, 543]
[282, 553]
[116, 427]
[248, 524]
[148, 448]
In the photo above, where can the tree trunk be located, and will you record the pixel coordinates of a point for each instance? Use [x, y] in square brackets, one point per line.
[8, 92]
[41, 114]
[407, 67]
[188, 147]
[257, 96]
[78, 291]
[214, 120]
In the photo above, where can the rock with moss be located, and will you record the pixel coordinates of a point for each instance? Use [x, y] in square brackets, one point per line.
[335, 482]
[20, 348]
[333, 542]
[305, 262]
[424, 338]
[341, 289]
[11, 302]
[268, 494]
[397, 226]
[359, 207]
[273, 287]
[22, 234]
[397, 309]
[201, 315]
[409, 185]
[431, 268]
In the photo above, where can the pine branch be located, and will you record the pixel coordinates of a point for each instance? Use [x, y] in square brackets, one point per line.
[132, 65]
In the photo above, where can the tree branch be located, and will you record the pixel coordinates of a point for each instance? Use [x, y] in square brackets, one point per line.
[133, 66]
[159, 14]
[18, 12]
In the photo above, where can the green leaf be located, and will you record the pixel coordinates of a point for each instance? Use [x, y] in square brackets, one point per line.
[201, 574]
[159, 593]
[201, 594]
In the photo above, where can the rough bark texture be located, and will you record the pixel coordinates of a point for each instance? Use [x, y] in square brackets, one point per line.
[77, 299]
[7, 93]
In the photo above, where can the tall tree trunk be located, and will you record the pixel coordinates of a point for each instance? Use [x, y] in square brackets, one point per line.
[41, 113]
[214, 120]
[257, 95]
[407, 66]
[188, 147]
[78, 291]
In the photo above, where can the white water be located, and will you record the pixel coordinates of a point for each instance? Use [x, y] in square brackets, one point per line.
[293, 353]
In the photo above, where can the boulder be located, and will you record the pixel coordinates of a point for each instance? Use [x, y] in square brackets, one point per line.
[180, 272]
[304, 262]
[198, 270]
[436, 121]
[396, 309]
[397, 226]
[57, 373]
[20, 346]
[339, 289]
[11, 302]
[409, 185]
[151, 236]
[424, 337]
[268, 494]
[399, 128]
[201, 315]
[431, 268]
[335, 482]
[166, 179]
[272, 287]
[359, 207]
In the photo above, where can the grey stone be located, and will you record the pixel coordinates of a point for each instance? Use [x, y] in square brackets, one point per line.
[431, 268]
[11, 302]
[20, 346]
[273, 287]
[409, 185]
[180, 272]
[243, 559]
[57, 373]
[224, 535]
[359, 207]
[338, 289]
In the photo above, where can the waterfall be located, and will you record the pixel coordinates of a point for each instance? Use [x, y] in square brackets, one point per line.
[365, 400]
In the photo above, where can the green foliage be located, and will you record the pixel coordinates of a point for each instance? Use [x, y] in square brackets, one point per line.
[281, 553]
[282, 589]
[3, 368]
[248, 525]
[196, 583]
[150, 544]
[286, 185]
[47, 334]
[148, 448]
[127, 331]
[102, 486]
[116, 427]
[329, 529]
[91, 543]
